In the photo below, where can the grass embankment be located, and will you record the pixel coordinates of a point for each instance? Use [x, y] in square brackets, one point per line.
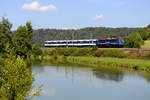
[95, 57]
[113, 62]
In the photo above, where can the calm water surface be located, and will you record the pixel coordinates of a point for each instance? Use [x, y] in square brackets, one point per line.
[75, 83]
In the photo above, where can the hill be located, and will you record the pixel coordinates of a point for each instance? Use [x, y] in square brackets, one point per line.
[40, 35]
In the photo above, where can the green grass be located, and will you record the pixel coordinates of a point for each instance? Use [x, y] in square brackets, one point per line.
[115, 62]
[146, 44]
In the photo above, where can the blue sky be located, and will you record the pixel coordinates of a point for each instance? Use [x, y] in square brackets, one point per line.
[77, 13]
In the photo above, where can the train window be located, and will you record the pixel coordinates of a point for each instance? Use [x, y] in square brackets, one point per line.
[75, 42]
[78, 41]
[64, 42]
[53, 42]
[69, 42]
[46, 42]
[85, 42]
[102, 41]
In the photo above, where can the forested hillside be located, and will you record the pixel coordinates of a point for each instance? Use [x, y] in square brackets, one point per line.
[41, 35]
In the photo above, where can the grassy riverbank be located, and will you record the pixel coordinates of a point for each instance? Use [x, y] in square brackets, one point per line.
[130, 53]
[99, 57]
[118, 62]
[136, 64]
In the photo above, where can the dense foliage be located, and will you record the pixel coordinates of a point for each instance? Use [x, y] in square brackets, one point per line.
[6, 37]
[145, 33]
[23, 40]
[86, 52]
[111, 53]
[16, 80]
[15, 73]
[133, 40]
[18, 43]
[36, 50]
[41, 35]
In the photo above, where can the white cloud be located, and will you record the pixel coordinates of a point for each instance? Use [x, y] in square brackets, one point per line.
[97, 17]
[35, 6]
[68, 28]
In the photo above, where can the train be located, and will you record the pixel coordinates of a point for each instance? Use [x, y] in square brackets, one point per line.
[101, 43]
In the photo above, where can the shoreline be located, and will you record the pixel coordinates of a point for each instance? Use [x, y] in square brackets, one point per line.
[135, 64]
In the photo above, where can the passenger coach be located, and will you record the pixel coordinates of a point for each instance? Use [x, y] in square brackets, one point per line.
[106, 42]
[71, 43]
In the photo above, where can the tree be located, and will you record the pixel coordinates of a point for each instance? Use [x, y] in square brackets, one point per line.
[112, 36]
[133, 40]
[29, 37]
[29, 32]
[36, 50]
[41, 35]
[23, 40]
[145, 32]
[5, 26]
[6, 37]
[16, 80]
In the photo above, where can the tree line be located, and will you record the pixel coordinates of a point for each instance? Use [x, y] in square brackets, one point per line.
[133, 37]
[135, 40]
[40, 35]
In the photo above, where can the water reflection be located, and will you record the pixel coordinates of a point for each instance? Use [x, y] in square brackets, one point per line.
[48, 92]
[109, 74]
[79, 83]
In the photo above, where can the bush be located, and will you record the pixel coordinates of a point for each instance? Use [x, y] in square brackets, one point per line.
[110, 53]
[133, 40]
[99, 54]
[87, 52]
[94, 48]
[62, 51]
[81, 52]
[36, 50]
[71, 52]
[16, 80]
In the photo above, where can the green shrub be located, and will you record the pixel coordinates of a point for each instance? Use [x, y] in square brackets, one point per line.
[36, 50]
[71, 52]
[110, 53]
[94, 48]
[87, 52]
[62, 51]
[82, 52]
[133, 41]
[16, 80]
[99, 54]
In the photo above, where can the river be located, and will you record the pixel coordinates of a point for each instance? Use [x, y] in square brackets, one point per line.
[80, 83]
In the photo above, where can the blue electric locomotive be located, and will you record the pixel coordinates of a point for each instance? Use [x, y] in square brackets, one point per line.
[110, 42]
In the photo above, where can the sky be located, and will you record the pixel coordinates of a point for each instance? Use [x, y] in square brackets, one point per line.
[75, 14]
